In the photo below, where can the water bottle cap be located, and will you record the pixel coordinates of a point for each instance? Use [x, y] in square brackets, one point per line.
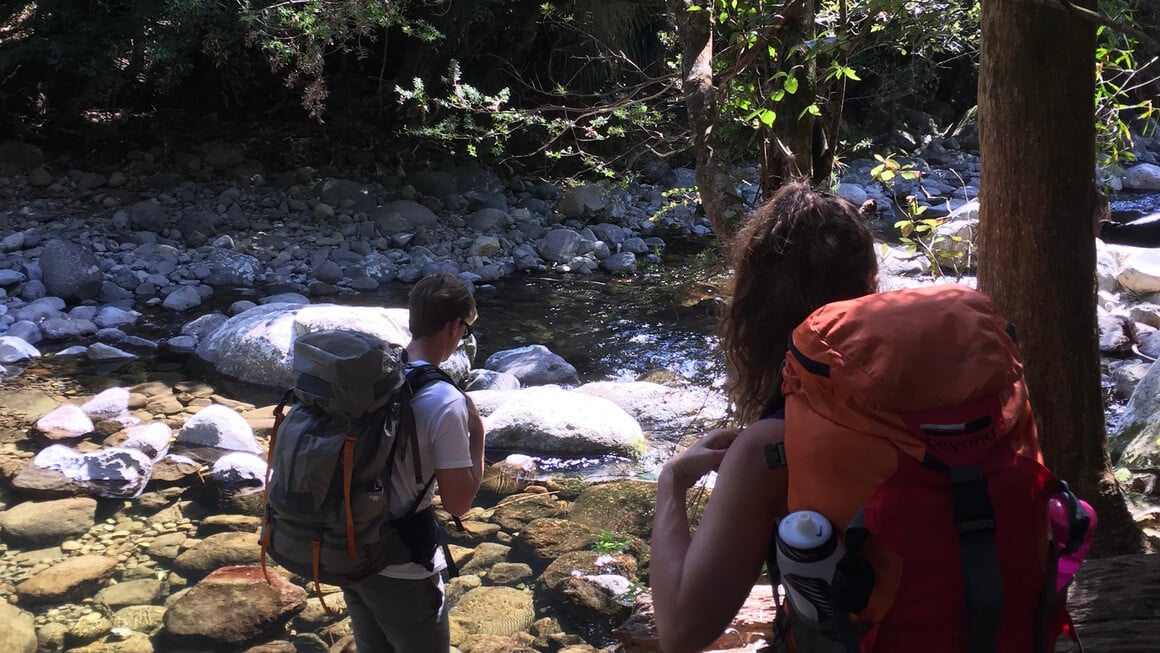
[805, 529]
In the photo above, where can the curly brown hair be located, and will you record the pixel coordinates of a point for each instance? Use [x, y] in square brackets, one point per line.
[796, 252]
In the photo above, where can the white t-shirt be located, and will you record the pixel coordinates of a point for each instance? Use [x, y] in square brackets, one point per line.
[441, 424]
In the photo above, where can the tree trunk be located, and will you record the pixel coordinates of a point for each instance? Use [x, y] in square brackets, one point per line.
[787, 148]
[715, 184]
[1036, 252]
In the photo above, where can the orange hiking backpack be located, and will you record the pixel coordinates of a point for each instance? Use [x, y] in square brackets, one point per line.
[908, 427]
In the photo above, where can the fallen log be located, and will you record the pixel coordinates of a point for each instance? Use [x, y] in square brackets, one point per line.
[1115, 603]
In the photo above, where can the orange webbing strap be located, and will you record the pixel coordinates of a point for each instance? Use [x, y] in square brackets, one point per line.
[347, 477]
[278, 415]
[265, 544]
[316, 551]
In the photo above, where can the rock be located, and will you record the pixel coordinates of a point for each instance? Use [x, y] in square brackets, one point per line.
[1142, 176]
[495, 610]
[533, 365]
[508, 573]
[619, 506]
[514, 513]
[233, 606]
[488, 220]
[145, 619]
[38, 524]
[26, 404]
[620, 263]
[510, 475]
[551, 421]
[9, 278]
[219, 550]
[343, 192]
[218, 427]
[148, 216]
[548, 538]
[255, 345]
[17, 629]
[402, 216]
[182, 299]
[99, 351]
[229, 269]
[16, 350]
[1140, 272]
[107, 404]
[327, 272]
[1117, 334]
[152, 439]
[71, 580]
[70, 270]
[561, 245]
[89, 627]
[111, 316]
[111, 472]
[1137, 433]
[434, 183]
[66, 422]
[142, 591]
[491, 380]
[655, 406]
[583, 201]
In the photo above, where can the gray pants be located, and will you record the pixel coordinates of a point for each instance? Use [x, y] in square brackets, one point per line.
[396, 615]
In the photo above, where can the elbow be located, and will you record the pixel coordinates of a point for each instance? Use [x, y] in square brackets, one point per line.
[680, 641]
[457, 508]
[685, 634]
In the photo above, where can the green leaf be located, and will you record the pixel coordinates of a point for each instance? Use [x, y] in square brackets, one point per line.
[767, 117]
[791, 85]
[778, 95]
[850, 74]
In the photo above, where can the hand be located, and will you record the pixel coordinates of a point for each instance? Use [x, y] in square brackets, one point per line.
[701, 458]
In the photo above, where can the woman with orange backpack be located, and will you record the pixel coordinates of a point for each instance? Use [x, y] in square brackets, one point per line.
[921, 515]
[799, 250]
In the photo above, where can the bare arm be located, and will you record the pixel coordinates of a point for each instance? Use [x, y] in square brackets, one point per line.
[699, 581]
[457, 486]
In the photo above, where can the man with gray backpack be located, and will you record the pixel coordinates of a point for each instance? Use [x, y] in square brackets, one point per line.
[355, 461]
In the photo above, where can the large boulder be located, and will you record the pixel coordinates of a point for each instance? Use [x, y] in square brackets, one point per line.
[533, 365]
[71, 270]
[233, 607]
[657, 406]
[1143, 176]
[256, 344]
[111, 472]
[1140, 272]
[1137, 433]
[552, 421]
[17, 629]
[40, 524]
[74, 579]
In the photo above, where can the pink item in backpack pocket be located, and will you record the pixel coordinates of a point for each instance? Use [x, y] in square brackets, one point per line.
[1062, 523]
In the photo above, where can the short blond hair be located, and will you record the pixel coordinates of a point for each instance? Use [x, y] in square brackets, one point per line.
[436, 300]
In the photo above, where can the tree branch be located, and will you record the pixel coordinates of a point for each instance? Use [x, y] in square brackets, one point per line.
[1100, 18]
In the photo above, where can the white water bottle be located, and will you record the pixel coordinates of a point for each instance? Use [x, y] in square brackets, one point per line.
[808, 551]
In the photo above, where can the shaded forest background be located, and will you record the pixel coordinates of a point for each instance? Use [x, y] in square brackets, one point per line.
[562, 88]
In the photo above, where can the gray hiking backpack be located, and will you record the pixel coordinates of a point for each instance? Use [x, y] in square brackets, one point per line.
[330, 460]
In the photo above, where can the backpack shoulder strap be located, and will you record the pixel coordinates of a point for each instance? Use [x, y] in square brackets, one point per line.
[418, 377]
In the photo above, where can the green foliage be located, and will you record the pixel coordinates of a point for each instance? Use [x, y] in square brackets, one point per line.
[612, 542]
[921, 234]
[1119, 79]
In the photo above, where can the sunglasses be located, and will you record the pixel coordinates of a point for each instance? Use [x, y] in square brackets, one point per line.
[467, 330]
